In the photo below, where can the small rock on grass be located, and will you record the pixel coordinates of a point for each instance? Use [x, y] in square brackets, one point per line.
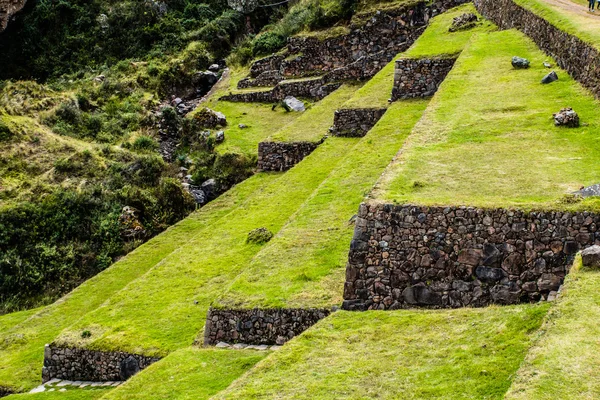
[520, 62]
[551, 77]
[566, 117]
[591, 257]
[222, 345]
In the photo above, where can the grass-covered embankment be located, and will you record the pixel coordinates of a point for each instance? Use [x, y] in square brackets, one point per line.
[452, 354]
[488, 137]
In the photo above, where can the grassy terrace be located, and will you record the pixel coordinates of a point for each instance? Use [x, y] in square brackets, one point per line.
[564, 362]
[457, 354]
[303, 266]
[188, 374]
[488, 138]
[22, 347]
[436, 40]
[8, 321]
[165, 309]
[70, 394]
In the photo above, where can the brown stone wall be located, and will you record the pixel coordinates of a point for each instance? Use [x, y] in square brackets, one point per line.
[420, 77]
[259, 326]
[89, 365]
[407, 256]
[8, 8]
[281, 156]
[355, 122]
[581, 60]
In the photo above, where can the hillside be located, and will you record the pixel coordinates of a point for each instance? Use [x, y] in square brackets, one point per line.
[401, 203]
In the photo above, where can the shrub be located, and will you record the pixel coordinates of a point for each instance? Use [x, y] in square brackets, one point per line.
[259, 236]
[268, 43]
[144, 143]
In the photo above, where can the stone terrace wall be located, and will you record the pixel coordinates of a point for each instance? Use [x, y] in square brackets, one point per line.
[315, 89]
[407, 256]
[88, 365]
[579, 59]
[259, 326]
[420, 77]
[281, 156]
[355, 122]
[5, 391]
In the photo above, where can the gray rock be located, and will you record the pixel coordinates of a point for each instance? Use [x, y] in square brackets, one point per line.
[489, 275]
[547, 65]
[591, 257]
[520, 63]
[293, 104]
[214, 68]
[222, 345]
[220, 137]
[242, 126]
[198, 195]
[129, 367]
[210, 189]
[551, 77]
[590, 191]
[566, 117]
[420, 295]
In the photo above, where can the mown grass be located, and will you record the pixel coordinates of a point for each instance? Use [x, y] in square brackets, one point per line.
[189, 373]
[165, 309]
[564, 362]
[488, 137]
[313, 126]
[8, 321]
[456, 354]
[585, 27]
[435, 40]
[69, 394]
[22, 346]
[304, 264]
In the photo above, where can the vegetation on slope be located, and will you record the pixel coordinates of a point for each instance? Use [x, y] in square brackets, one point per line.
[70, 394]
[488, 138]
[188, 374]
[564, 362]
[452, 354]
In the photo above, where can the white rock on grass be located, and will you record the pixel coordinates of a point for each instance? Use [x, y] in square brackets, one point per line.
[294, 104]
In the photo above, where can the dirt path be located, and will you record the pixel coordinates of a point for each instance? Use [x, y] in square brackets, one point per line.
[571, 6]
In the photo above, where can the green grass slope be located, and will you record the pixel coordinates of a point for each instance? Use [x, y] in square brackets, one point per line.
[8, 321]
[564, 362]
[69, 394]
[488, 137]
[435, 40]
[304, 264]
[188, 374]
[22, 347]
[166, 308]
[456, 354]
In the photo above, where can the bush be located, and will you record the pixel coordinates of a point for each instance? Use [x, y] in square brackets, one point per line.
[144, 143]
[5, 132]
[268, 43]
[259, 236]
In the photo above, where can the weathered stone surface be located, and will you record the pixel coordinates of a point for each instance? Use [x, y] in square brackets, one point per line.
[355, 122]
[208, 118]
[436, 257]
[520, 63]
[281, 156]
[591, 257]
[566, 117]
[293, 104]
[420, 77]
[259, 326]
[463, 22]
[8, 8]
[549, 78]
[220, 137]
[589, 191]
[77, 364]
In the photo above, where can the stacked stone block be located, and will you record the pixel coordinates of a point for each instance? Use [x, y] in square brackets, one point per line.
[420, 77]
[314, 89]
[412, 256]
[355, 122]
[259, 326]
[281, 156]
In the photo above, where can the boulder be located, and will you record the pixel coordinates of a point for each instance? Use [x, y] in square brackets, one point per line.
[198, 195]
[214, 68]
[551, 77]
[291, 103]
[463, 22]
[566, 117]
[520, 62]
[220, 137]
[129, 367]
[208, 118]
[591, 257]
[209, 188]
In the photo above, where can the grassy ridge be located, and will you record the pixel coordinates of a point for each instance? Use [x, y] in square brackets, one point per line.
[188, 374]
[304, 265]
[488, 138]
[456, 354]
[564, 362]
[22, 348]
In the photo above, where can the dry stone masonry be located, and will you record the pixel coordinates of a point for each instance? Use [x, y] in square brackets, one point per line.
[405, 256]
[77, 364]
[315, 89]
[355, 122]
[259, 326]
[281, 156]
[581, 60]
[420, 77]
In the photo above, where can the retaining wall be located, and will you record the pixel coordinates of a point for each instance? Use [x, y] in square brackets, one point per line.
[581, 60]
[314, 89]
[437, 257]
[89, 365]
[259, 326]
[355, 122]
[281, 156]
[420, 77]
[5, 392]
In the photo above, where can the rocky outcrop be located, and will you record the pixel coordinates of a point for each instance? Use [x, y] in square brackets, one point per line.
[355, 122]
[8, 8]
[77, 364]
[580, 59]
[420, 77]
[259, 326]
[281, 156]
[413, 256]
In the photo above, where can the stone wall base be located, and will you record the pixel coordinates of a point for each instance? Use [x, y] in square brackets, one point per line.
[420, 77]
[281, 156]
[76, 364]
[5, 391]
[314, 89]
[355, 122]
[259, 326]
[405, 256]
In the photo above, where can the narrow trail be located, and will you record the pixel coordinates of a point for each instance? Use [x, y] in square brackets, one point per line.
[580, 9]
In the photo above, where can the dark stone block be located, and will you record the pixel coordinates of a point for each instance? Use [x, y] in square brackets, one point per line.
[129, 367]
[489, 275]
